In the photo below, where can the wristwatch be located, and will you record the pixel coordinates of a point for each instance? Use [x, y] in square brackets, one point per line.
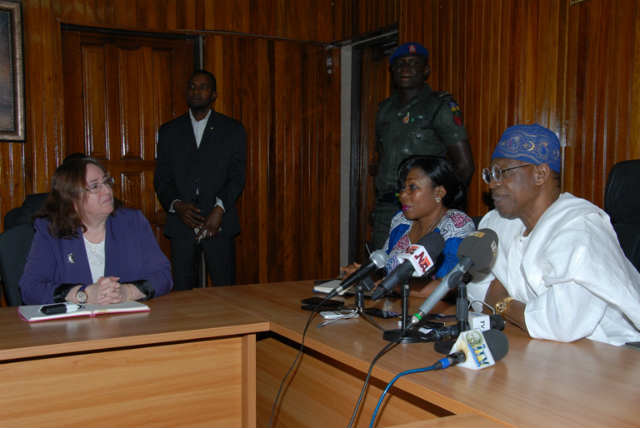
[81, 295]
[502, 306]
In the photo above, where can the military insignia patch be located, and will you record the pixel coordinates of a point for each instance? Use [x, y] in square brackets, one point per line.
[457, 113]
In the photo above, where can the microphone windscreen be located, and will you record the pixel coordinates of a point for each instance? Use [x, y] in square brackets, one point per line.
[481, 247]
[379, 258]
[497, 342]
[433, 243]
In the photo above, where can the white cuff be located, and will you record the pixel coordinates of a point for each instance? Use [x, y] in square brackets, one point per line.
[220, 204]
[171, 206]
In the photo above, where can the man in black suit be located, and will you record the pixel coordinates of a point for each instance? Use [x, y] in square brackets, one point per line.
[200, 172]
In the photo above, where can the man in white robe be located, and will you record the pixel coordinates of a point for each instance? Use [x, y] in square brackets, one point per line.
[560, 273]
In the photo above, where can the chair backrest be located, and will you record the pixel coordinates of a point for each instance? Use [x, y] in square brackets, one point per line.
[621, 199]
[15, 245]
[622, 203]
[24, 213]
[629, 238]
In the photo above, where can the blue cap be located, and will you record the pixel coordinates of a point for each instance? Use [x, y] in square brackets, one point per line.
[533, 144]
[411, 48]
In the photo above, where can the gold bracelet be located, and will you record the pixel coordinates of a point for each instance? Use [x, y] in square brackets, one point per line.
[502, 306]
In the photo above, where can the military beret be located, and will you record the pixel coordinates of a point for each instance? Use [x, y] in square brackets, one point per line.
[406, 49]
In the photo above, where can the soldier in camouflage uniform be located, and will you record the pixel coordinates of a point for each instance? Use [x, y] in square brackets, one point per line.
[414, 120]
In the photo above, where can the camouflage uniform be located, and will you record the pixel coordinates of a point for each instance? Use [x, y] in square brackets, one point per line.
[425, 126]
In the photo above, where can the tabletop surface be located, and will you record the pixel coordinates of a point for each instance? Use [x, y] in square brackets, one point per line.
[538, 383]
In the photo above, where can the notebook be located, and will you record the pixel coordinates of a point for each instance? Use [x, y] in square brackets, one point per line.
[33, 313]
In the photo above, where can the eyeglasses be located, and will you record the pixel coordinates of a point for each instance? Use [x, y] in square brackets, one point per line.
[496, 173]
[95, 187]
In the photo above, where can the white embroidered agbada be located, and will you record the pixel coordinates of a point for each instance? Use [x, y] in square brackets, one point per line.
[570, 272]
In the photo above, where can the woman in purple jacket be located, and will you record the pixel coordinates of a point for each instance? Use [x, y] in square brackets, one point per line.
[88, 250]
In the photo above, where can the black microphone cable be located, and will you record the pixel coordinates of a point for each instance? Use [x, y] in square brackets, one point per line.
[383, 351]
[313, 313]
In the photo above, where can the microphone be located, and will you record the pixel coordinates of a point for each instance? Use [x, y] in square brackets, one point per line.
[418, 260]
[477, 350]
[476, 253]
[377, 261]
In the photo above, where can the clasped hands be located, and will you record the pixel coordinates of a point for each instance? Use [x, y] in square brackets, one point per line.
[107, 290]
[190, 215]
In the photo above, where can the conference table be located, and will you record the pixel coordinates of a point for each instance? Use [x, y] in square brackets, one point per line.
[217, 356]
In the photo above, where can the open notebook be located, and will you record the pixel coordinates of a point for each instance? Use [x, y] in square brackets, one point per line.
[33, 313]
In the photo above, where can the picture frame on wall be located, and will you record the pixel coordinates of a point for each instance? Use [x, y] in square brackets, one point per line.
[12, 126]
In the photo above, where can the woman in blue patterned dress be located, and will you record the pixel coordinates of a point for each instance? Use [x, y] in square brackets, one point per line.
[429, 193]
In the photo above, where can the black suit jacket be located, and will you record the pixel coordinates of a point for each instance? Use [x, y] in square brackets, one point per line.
[216, 168]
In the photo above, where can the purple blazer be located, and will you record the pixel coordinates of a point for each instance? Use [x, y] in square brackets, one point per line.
[131, 253]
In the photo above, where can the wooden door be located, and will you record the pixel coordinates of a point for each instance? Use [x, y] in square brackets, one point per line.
[118, 89]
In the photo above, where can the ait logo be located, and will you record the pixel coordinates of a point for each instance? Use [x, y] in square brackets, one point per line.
[478, 348]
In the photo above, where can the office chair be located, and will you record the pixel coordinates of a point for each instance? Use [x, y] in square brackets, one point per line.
[623, 206]
[15, 245]
[24, 213]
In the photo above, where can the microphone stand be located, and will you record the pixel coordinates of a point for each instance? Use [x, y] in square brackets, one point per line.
[462, 318]
[403, 335]
[365, 285]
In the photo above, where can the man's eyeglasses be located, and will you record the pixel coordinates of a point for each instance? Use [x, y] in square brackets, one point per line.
[496, 173]
[95, 187]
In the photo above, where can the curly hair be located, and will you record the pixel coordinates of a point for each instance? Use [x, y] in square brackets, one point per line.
[67, 190]
[441, 173]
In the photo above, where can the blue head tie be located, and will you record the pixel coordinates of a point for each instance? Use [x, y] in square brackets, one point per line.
[533, 144]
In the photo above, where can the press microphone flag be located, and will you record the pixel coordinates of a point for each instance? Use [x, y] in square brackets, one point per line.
[377, 260]
[481, 349]
[476, 253]
[419, 259]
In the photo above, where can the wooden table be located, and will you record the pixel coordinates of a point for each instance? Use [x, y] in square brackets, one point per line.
[215, 357]
[188, 362]
[538, 383]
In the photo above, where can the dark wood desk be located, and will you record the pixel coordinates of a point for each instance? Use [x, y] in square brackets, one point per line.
[215, 357]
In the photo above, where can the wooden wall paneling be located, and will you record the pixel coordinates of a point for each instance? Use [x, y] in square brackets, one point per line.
[247, 96]
[297, 20]
[377, 14]
[503, 62]
[43, 86]
[572, 68]
[602, 59]
[290, 107]
[288, 238]
[633, 149]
